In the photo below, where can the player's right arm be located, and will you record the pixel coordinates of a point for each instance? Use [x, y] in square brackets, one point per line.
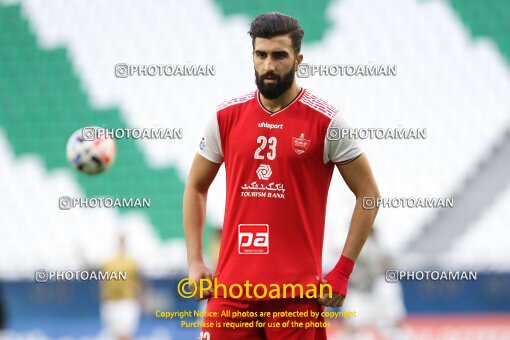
[200, 177]
[205, 166]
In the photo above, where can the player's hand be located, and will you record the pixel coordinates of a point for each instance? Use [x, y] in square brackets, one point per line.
[197, 271]
[336, 300]
[338, 279]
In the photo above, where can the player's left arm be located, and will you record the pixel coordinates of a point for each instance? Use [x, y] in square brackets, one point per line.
[358, 176]
[360, 180]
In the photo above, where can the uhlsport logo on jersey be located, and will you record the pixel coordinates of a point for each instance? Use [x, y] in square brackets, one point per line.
[253, 239]
[300, 144]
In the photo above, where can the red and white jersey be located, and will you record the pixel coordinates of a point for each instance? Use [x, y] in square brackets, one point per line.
[278, 171]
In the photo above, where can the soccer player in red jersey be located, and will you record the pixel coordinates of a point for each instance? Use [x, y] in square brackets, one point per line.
[280, 145]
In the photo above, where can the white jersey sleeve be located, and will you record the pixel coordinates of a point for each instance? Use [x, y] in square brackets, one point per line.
[339, 147]
[210, 144]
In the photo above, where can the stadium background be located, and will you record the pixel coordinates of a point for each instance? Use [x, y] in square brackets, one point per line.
[57, 74]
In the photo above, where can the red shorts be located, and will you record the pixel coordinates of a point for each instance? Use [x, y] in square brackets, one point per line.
[253, 323]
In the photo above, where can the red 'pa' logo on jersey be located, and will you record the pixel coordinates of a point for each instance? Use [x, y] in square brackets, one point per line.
[300, 144]
[253, 239]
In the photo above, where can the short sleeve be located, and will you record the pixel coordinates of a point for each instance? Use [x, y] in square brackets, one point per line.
[210, 144]
[339, 146]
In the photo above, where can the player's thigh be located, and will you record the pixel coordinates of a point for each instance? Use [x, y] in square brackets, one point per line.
[311, 328]
[222, 327]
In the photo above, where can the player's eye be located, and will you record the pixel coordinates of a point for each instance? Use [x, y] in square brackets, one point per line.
[279, 55]
[261, 55]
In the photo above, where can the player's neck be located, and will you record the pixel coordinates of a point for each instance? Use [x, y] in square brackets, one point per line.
[276, 104]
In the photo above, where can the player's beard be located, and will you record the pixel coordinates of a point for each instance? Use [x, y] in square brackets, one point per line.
[272, 91]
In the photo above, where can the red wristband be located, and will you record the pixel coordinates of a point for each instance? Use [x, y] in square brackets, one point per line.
[338, 277]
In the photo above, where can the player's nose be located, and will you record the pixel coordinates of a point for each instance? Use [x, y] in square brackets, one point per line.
[269, 65]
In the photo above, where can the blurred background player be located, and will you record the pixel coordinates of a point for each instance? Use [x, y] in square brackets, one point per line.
[379, 305]
[120, 300]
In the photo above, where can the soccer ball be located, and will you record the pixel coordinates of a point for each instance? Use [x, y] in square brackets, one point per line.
[89, 151]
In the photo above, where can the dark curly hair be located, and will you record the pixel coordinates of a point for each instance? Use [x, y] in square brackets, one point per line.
[270, 25]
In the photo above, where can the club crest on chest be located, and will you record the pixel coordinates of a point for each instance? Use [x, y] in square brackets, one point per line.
[300, 144]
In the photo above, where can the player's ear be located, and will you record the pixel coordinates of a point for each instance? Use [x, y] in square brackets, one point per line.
[299, 60]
